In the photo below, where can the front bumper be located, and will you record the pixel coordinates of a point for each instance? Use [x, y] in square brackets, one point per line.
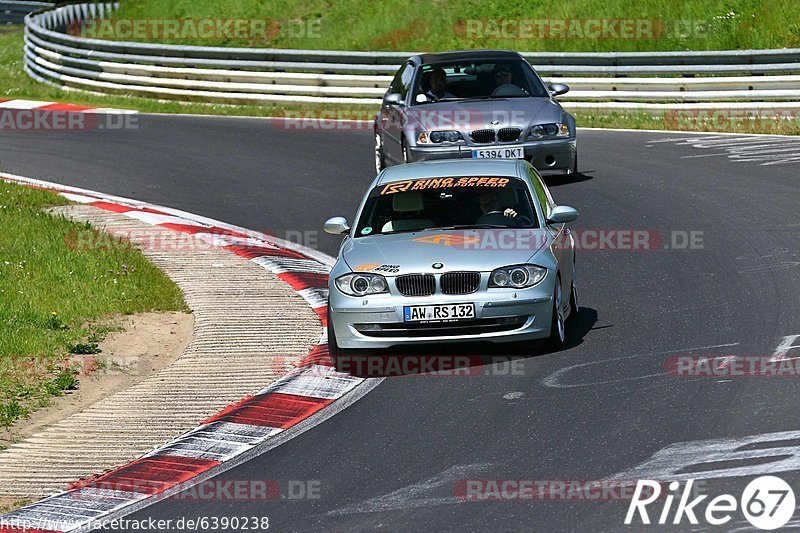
[554, 154]
[501, 315]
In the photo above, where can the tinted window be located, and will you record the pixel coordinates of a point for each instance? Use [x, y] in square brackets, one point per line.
[542, 194]
[402, 80]
[477, 79]
[462, 202]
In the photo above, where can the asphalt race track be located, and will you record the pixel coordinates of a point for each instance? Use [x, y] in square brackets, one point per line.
[602, 408]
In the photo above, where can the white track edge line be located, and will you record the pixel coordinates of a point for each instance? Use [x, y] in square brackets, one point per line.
[276, 440]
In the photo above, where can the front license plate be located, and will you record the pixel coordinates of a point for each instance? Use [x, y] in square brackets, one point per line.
[438, 313]
[506, 152]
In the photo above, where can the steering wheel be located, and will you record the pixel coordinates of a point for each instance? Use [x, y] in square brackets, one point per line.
[519, 220]
[508, 89]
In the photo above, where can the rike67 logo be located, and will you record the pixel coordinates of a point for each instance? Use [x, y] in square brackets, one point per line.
[766, 502]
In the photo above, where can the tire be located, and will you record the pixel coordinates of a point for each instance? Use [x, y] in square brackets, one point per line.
[574, 309]
[406, 157]
[380, 157]
[557, 323]
[574, 169]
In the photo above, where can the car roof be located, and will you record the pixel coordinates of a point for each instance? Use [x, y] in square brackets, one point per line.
[461, 55]
[442, 168]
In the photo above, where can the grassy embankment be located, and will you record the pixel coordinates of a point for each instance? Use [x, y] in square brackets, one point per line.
[60, 281]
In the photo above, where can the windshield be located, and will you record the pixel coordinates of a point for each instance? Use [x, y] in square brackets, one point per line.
[447, 203]
[476, 80]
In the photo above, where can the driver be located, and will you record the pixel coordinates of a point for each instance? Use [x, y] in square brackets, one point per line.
[438, 83]
[492, 211]
[502, 75]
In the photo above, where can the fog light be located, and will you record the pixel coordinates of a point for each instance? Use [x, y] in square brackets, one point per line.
[367, 327]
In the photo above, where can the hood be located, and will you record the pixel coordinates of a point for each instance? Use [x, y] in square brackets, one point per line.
[415, 252]
[478, 114]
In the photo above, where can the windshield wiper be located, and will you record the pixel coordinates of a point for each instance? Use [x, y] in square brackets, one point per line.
[468, 99]
[469, 226]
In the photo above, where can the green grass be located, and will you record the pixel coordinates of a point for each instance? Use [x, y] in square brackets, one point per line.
[55, 296]
[435, 25]
[644, 121]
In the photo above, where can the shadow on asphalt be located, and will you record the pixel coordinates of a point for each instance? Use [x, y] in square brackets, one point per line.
[554, 180]
[578, 328]
[473, 358]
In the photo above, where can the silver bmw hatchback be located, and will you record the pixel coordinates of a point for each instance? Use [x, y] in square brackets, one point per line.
[452, 251]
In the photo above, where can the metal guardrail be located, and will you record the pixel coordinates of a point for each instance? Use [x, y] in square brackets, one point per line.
[253, 75]
[13, 12]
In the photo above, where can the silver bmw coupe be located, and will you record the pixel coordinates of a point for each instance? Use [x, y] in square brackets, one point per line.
[452, 251]
[474, 104]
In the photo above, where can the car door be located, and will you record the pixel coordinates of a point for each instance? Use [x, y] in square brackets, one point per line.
[390, 126]
[563, 246]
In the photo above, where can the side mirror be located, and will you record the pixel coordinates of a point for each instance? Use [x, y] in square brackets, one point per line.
[559, 88]
[561, 214]
[393, 99]
[336, 226]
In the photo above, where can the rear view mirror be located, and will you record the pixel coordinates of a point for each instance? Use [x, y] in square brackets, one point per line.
[336, 226]
[559, 88]
[561, 214]
[393, 99]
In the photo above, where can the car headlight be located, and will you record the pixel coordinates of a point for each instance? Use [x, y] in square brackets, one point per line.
[361, 284]
[436, 137]
[545, 131]
[517, 277]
